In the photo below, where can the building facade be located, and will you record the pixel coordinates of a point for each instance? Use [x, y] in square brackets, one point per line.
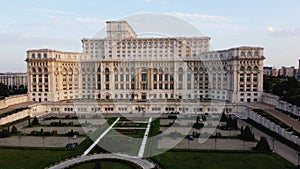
[14, 80]
[123, 67]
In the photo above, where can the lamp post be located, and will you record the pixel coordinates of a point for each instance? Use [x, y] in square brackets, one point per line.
[298, 155]
[215, 144]
[273, 145]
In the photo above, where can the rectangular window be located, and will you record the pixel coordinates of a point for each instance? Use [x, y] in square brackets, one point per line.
[160, 86]
[132, 86]
[144, 77]
[155, 77]
[160, 77]
[171, 86]
[144, 86]
[180, 77]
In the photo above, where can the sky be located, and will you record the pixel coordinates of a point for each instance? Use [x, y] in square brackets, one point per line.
[61, 24]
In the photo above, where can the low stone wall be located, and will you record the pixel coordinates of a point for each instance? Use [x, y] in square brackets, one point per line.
[12, 100]
[14, 117]
[273, 127]
[33, 110]
[280, 104]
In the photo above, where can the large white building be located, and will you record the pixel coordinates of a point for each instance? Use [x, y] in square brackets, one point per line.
[123, 68]
[14, 80]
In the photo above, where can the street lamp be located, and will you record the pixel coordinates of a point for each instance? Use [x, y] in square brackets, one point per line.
[215, 144]
[298, 154]
[273, 141]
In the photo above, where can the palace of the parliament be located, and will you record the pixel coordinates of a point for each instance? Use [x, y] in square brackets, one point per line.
[125, 72]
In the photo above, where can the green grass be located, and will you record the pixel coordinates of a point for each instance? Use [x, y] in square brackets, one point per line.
[31, 158]
[178, 159]
[105, 164]
[130, 124]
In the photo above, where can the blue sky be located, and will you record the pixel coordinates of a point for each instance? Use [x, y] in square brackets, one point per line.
[60, 24]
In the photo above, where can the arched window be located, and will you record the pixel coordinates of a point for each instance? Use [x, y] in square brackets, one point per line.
[249, 68]
[70, 71]
[33, 70]
[40, 70]
[46, 70]
[106, 74]
[180, 70]
[45, 55]
[242, 53]
[249, 53]
[242, 68]
[255, 68]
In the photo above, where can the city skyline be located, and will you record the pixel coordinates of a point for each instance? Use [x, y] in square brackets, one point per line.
[39, 24]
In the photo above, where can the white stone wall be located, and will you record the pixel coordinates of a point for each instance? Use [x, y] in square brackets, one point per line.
[280, 104]
[273, 127]
[12, 100]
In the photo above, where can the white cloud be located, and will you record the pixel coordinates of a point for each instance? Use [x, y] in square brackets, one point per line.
[207, 23]
[283, 32]
[47, 11]
[203, 17]
[89, 20]
[161, 1]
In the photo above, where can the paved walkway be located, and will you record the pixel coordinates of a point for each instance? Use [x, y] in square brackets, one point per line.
[143, 145]
[280, 148]
[140, 162]
[100, 137]
[279, 115]
[128, 128]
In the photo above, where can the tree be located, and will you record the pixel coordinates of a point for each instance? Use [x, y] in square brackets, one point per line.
[263, 145]
[35, 121]
[14, 130]
[98, 165]
[197, 119]
[223, 117]
[3, 90]
[246, 134]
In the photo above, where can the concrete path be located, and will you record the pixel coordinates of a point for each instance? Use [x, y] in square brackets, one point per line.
[128, 128]
[138, 161]
[143, 145]
[280, 148]
[100, 137]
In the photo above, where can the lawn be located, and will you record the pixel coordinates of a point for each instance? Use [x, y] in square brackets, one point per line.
[178, 159]
[31, 158]
[105, 164]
